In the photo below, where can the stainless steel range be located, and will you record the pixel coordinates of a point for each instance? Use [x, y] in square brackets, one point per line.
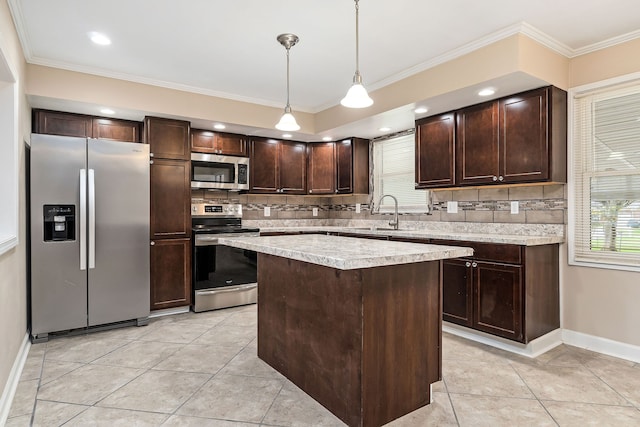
[222, 276]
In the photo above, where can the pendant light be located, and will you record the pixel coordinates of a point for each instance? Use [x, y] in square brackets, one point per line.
[287, 121]
[357, 96]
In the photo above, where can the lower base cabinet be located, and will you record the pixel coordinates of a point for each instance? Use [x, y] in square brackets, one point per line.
[510, 291]
[170, 273]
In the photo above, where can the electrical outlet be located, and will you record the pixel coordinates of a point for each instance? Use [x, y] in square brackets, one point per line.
[315, 211]
[452, 207]
[515, 207]
[267, 211]
[357, 207]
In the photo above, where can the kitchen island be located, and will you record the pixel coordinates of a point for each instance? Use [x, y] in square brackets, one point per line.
[354, 323]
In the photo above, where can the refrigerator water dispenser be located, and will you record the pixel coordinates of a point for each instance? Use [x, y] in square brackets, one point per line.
[59, 223]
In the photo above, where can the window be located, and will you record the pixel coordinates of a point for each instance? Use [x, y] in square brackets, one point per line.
[393, 173]
[605, 193]
[8, 157]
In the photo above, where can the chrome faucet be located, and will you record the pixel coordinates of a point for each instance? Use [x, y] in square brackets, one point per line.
[393, 223]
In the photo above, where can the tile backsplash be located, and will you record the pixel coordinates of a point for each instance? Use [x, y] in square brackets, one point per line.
[537, 204]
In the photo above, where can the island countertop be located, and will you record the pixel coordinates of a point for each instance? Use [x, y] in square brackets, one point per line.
[345, 253]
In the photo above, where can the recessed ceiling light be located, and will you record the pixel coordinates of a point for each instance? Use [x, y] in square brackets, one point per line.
[327, 138]
[107, 111]
[99, 38]
[219, 126]
[421, 110]
[384, 129]
[286, 135]
[487, 92]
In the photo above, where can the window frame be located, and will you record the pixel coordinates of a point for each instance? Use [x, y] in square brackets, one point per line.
[376, 193]
[573, 210]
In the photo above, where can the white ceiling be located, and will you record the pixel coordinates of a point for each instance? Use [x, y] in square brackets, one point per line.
[229, 49]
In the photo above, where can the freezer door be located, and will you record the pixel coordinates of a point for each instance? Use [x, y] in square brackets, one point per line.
[118, 222]
[58, 285]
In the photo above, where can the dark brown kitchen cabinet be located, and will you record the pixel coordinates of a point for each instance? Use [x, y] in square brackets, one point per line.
[228, 144]
[170, 199]
[278, 166]
[321, 169]
[167, 138]
[520, 138]
[510, 291]
[435, 151]
[80, 125]
[352, 166]
[170, 273]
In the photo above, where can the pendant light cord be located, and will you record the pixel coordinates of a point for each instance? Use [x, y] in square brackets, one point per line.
[288, 106]
[357, 41]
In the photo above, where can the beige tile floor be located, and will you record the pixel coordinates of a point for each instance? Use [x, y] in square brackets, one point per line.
[202, 370]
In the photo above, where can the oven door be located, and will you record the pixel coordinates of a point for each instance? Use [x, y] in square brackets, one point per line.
[223, 276]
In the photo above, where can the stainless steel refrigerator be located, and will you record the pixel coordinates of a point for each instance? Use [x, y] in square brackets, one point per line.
[89, 227]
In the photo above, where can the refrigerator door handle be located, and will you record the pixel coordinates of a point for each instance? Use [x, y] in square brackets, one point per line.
[83, 219]
[92, 219]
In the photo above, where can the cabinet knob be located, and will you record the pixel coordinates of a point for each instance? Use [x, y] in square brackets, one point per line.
[416, 185]
[150, 154]
[500, 178]
[474, 264]
[310, 191]
[152, 243]
[495, 178]
[467, 264]
[150, 162]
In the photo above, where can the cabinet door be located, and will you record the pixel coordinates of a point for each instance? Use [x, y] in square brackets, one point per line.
[456, 291]
[498, 299]
[435, 151]
[477, 155]
[264, 166]
[170, 273]
[170, 199]
[293, 167]
[168, 139]
[59, 123]
[322, 168]
[202, 141]
[231, 144]
[344, 166]
[524, 142]
[118, 130]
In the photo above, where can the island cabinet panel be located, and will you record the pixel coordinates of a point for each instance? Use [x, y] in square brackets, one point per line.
[168, 139]
[321, 168]
[435, 151]
[365, 343]
[170, 273]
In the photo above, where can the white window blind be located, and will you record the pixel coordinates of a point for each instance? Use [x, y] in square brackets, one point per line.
[393, 173]
[606, 174]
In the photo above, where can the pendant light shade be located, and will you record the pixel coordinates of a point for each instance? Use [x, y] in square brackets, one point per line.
[287, 121]
[357, 96]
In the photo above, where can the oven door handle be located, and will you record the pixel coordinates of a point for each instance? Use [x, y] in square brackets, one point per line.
[235, 289]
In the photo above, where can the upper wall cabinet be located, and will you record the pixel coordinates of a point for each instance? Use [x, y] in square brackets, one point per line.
[80, 125]
[340, 167]
[435, 151]
[278, 166]
[321, 168]
[229, 144]
[516, 139]
[168, 139]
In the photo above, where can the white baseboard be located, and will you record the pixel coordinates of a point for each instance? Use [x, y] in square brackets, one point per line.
[14, 378]
[602, 345]
[533, 349]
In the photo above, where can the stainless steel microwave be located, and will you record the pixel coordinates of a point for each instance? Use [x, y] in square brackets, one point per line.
[216, 171]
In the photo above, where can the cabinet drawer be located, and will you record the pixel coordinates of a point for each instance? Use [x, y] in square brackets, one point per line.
[498, 252]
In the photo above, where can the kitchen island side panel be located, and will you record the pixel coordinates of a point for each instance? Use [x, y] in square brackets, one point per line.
[364, 343]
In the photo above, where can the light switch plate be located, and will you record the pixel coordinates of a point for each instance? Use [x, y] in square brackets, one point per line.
[515, 207]
[315, 211]
[357, 207]
[452, 207]
[267, 211]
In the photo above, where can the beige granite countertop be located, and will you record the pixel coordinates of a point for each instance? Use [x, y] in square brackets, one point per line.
[480, 236]
[345, 253]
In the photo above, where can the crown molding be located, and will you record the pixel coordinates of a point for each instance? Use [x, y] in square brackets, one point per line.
[633, 35]
[18, 19]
